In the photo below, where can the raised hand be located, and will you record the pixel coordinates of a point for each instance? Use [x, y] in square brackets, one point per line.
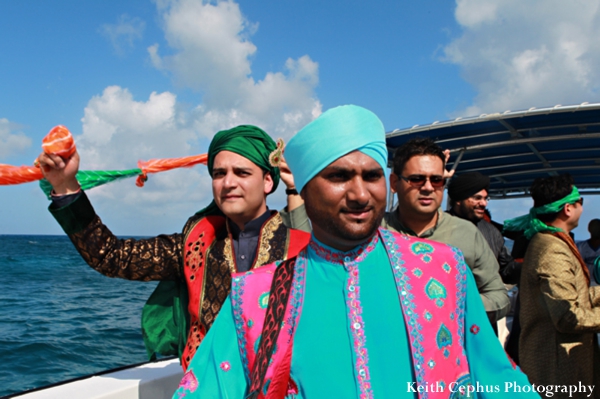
[286, 174]
[60, 172]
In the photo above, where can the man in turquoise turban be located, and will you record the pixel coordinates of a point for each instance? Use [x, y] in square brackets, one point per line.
[235, 233]
[361, 312]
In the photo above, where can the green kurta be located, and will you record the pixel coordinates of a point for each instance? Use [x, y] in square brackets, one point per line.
[323, 355]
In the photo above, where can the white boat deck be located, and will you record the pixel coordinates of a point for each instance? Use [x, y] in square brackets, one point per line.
[157, 380]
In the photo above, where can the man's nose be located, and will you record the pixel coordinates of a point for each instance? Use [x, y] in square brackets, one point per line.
[229, 180]
[427, 186]
[358, 191]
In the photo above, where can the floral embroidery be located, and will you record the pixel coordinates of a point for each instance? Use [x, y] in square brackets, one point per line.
[350, 260]
[225, 366]
[358, 331]
[341, 258]
[297, 293]
[263, 300]
[444, 337]
[474, 329]
[408, 304]
[189, 382]
[435, 290]
[461, 295]
[419, 248]
[237, 293]
[430, 362]
[428, 316]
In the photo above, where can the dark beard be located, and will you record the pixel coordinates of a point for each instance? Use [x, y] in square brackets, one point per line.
[468, 213]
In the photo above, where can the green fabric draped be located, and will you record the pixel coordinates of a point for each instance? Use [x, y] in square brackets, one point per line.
[530, 223]
[93, 178]
[165, 320]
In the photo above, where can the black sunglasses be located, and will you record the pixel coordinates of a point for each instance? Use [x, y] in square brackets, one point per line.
[419, 180]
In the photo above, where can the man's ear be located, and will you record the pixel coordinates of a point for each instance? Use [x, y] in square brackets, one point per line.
[393, 181]
[268, 183]
[567, 210]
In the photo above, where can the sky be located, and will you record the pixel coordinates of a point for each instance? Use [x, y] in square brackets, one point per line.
[146, 79]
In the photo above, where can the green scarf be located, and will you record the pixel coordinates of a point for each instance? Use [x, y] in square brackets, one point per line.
[165, 317]
[531, 225]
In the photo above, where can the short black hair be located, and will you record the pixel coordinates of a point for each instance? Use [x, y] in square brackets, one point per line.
[418, 146]
[546, 190]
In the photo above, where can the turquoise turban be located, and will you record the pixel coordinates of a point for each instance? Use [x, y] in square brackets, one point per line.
[335, 133]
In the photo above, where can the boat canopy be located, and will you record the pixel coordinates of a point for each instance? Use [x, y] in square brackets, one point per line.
[514, 148]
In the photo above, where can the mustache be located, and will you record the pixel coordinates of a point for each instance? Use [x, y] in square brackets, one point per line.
[357, 207]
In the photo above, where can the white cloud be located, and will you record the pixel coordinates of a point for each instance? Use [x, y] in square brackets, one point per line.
[11, 142]
[520, 54]
[210, 51]
[118, 131]
[124, 33]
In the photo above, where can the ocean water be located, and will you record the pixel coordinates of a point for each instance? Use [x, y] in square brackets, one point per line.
[59, 318]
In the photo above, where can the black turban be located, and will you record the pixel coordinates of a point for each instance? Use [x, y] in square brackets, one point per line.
[463, 186]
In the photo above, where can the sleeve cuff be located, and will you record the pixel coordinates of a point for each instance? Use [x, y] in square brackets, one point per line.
[74, 216]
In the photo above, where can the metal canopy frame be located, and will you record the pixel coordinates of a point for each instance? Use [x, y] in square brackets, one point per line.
[514, 148]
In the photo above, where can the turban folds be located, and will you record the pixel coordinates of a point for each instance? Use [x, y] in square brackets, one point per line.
[248, 141]
[335, 133]
[530, 223]
[463, 186]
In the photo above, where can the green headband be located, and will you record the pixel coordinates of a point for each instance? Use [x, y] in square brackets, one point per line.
[530, 222]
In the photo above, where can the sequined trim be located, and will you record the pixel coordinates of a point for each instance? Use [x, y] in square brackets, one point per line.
[357, 328]
[408, 304]
[461, 296]
[237, 293]
[338, 257]
[225, 366]
[297, 294]
[267, 232]
[228, 252]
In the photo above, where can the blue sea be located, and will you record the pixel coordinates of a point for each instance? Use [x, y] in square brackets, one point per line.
[59, 318]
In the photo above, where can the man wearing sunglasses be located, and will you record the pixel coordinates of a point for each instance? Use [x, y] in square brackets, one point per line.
[418, 179]
[560, 312]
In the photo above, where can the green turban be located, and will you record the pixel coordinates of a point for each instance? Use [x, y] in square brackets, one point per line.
[248, 141]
